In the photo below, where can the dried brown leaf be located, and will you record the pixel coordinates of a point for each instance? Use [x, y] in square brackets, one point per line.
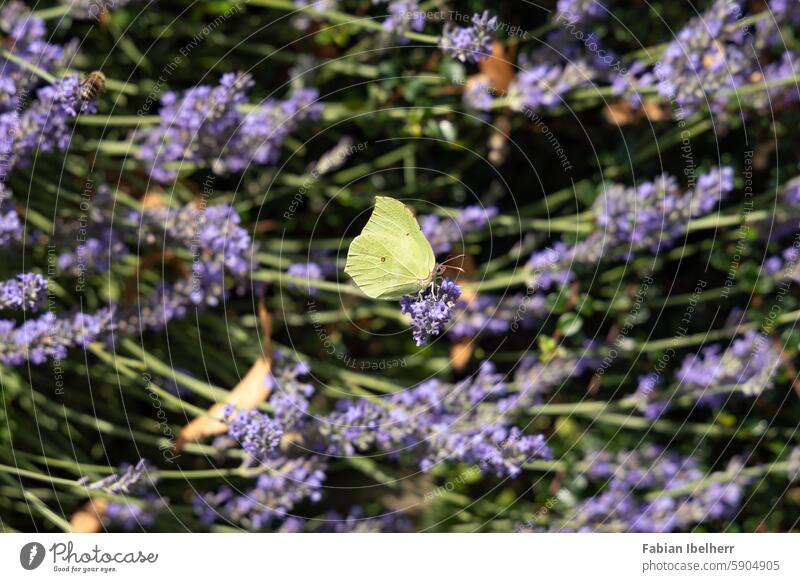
[621, 112]
[656, 110]
[247, 394]
[497, 68]
[154, 199]
[89, 518]
[461, 353]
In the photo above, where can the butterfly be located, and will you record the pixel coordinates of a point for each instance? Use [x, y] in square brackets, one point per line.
[391, 257]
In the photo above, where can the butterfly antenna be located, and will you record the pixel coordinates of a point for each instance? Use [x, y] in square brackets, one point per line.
[443, 265]
[452, 259]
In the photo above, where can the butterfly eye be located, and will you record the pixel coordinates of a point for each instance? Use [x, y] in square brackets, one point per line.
[383, 259]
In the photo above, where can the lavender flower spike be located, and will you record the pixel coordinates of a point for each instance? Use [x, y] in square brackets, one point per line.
[470, 43]
[123, 482]
[257, 433]
[431, 311]
[26, 291]
[37, 340]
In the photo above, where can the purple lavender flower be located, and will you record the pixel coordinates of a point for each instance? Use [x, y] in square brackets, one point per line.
[579, 10]
[142, 505]
[94, 244]
[45, 126]
[790, 194]
[473, 218]
[492, 447]
[478, 95]
[708, 56]
[543, 84]
[404, 16]
[212, 235]
[535, 378]
[303, 21]
[26, 291]
[493, 315]
[431, 311]
[218, 245]
[264, 130]
[37, 340]
[309, 271]
[128, 478]
[780, 75]
[140, 513]
[27, 38]
[10, 224]
[786, 265]
[290, 392]
[714, 55]
[195, 126]
[285, 484]
[551, 266]
[355, 426]
[748, 366]
[445, 233]
[652, 216]
[94, 254]
[622, 505]
[785, 9]
[628, 81]
[205, 126]
[470, 43]
[467, 421]
[256, 432]
[647, 394]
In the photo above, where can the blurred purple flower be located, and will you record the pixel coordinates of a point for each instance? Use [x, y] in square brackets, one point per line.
[309, 271]
[748, 366]
[404, 16]
[470, 43]
[623, 506]
[493, 315]
[26, 291]
[127, 479]
[284, 484]
[204, 125]
[579, 10]
[445, 232]
[49, 336]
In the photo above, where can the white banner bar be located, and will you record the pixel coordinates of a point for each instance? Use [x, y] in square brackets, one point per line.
[399, 557]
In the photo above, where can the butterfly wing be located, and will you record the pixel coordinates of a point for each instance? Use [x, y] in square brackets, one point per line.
[373, 263]
[391, 218]
[391, 257]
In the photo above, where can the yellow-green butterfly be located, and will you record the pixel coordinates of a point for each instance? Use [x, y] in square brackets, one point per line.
[391, 257]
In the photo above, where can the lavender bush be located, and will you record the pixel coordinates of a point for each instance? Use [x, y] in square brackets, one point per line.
[609, 339]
